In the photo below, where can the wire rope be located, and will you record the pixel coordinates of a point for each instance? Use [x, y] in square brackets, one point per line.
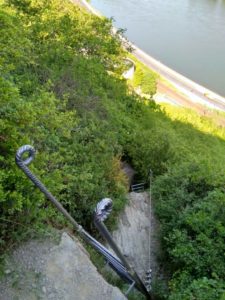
[148, 280]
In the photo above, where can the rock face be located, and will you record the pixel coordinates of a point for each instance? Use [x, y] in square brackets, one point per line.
[134, 236]
[43, 270]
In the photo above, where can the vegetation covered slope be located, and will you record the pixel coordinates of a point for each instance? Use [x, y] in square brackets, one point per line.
[61, 91]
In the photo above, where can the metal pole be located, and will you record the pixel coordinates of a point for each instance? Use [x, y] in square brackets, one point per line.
[116, 264]
[23, 165]
[99, 216]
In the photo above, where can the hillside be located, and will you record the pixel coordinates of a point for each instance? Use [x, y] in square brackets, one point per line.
[61, 90]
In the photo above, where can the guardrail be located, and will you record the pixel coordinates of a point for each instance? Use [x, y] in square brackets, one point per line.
[119, 263]
[139, 187]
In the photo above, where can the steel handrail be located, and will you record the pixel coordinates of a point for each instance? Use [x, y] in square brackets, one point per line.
[118, 265]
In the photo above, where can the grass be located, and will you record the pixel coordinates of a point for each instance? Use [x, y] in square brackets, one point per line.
[144, 78]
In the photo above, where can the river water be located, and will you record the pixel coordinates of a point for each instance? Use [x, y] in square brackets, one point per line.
[186, 35]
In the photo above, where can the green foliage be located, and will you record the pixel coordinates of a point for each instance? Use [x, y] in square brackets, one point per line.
[53, 84]
[144, 78]
[190, 205]
[202, 289]
[60, 90]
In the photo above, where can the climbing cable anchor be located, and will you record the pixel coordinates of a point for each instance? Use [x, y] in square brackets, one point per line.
[119, 265]
[102, 211]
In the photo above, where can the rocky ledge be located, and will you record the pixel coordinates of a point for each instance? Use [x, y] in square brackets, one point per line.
[45, 270]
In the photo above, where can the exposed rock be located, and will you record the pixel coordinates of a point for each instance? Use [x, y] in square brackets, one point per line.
[44, 270]
[134, 236]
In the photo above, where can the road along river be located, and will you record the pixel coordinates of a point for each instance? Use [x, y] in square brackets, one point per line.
[192, 91]
[186, 35]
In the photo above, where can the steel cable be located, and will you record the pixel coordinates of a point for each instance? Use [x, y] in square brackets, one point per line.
[114, 262]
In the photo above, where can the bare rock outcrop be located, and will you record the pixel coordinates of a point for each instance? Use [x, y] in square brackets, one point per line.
[43, 270]
[136, 239]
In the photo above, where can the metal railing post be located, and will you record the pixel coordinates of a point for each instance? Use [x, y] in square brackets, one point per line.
[99, 216]
[125, 271]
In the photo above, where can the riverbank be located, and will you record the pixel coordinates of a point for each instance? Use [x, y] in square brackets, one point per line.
[193, 91]
[179, 90]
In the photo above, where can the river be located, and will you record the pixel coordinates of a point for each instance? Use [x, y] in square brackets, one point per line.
[186, 35]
